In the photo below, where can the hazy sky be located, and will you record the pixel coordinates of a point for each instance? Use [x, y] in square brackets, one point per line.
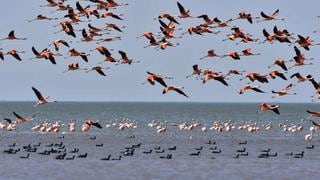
[124, 83]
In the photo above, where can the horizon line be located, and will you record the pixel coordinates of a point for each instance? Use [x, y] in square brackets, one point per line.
[212, 102]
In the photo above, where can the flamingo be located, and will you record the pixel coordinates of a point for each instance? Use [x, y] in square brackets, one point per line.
[152, 78]
[283, 91]
[250, 87]
[274, 73]
[124, 58]
[20, 119]
[73, 67]
[196, 71]
[98, 69]
[57, 43]
[301, 78]
[173, 88]
[41, 99]
[14, 53]
[183, 12]
[280, 62]
[210, 53]
[274, 108]
[169, 17]
[273, 16]
[89, 123]
[12, 36]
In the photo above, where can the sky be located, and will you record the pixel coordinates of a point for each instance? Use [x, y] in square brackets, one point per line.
[124, 82]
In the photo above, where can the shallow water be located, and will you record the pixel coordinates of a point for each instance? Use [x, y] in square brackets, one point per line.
[150, 166]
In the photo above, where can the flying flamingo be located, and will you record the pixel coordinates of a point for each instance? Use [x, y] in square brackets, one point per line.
[173, 88]
[73, 53]
[167, 16]
[41, 17]
[183, 12]
[124, 58]
[196, 71]
[301, 78]
[280, 62]
[41, 99]
[12, 36]
[57, 43]
[73, 67]
[98, 69]
[274, 73]
[284, 91]
[89, 123]
[21, 119]
[265, 107]
[313, 114]
[250, 87]
[273, 16]
[14, 53]
[210, 53]
[152, 78]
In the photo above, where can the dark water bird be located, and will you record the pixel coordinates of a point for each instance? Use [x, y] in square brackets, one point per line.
[195, 154]
[83, 155]
[172, 148]
[216, 151]
[25, 157]
[241, 150]
[147, 152]
[158, 151]
[310, 147]
[168, 156]
[244, 154]
[70, 158]
[107, 158]
[117, 159]
[99, 145]
[61, 156]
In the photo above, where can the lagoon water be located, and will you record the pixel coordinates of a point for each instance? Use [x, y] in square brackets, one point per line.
[207, 165]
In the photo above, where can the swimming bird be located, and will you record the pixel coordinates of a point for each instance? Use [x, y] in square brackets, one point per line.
[274, 108]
